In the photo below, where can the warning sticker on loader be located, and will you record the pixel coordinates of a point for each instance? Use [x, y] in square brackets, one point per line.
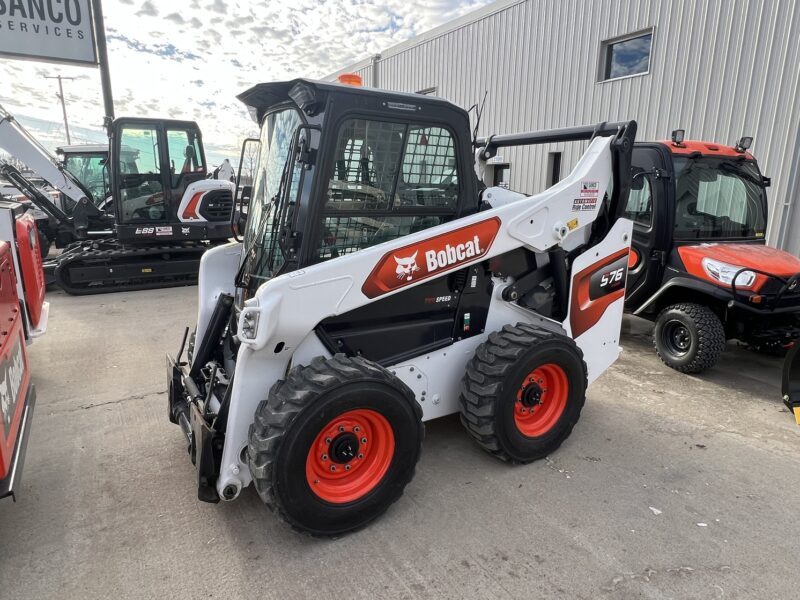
[584, 204]
[431, 257]
[589, 188]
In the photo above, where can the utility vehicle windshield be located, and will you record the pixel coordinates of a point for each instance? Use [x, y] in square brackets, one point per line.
[719, 198]
[263, 257]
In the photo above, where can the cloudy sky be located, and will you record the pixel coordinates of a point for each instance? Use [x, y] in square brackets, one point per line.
[189, 59]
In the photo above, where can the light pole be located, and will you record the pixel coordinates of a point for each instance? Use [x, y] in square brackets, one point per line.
[63, 103]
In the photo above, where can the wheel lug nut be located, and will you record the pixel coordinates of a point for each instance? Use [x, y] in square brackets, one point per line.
[324, 457]
[333, 467]
[347, 467]
[341, 428]
[360, 455]
[363, 440]
[327, 440]
[356, 428]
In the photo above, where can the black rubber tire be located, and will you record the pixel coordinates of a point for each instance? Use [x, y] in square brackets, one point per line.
[493, 378]
[298, 408]
[706, 337]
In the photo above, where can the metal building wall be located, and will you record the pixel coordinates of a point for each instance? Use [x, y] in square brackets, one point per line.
[719, 69]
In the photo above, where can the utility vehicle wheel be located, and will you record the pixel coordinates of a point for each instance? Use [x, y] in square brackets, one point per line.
[689, 337]
[335, 444]
[523, 392]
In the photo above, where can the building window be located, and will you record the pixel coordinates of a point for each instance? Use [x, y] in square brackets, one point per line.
[626, 56]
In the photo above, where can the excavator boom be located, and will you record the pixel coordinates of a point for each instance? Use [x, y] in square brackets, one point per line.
[17, 141]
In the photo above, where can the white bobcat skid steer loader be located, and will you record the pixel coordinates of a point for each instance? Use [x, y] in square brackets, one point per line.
[380, 285]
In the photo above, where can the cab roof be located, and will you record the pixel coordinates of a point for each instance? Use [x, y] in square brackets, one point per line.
[705, 149]
[310, 94]
[83, 148]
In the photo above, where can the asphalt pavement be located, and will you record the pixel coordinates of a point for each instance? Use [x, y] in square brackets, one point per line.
[671, 486]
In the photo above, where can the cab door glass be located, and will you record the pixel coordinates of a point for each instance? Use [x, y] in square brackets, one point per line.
[640, 204]
[184, 154]
[141, 187]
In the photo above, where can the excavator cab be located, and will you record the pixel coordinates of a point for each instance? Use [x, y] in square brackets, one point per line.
[158, 170]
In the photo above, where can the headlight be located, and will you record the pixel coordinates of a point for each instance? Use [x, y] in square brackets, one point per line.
[248, 323]
[723, 272]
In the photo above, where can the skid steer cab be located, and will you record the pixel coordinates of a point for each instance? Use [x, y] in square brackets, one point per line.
[380, 284]
[23, 313]
[700, 267]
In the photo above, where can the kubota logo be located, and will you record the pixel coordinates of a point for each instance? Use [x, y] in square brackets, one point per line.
[442, 253]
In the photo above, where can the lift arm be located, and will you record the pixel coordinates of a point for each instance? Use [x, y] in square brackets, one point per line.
[17, 141]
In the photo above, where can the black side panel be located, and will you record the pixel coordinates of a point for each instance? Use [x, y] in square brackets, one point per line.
[473, 307]
[423, 318]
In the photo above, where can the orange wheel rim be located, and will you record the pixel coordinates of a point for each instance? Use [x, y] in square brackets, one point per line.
[541, 400]
[350, 456]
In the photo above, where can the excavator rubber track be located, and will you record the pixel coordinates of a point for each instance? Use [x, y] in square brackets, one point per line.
[100, 267]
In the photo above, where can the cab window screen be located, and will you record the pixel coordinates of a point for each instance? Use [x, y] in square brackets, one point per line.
[389, 180]
[348, 234]
[428, 175]
[367, 162]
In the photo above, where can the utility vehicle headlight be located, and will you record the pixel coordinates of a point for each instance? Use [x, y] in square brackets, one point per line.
[724, 273]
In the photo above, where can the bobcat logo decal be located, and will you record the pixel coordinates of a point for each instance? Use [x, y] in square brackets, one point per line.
[406, 266]
[431, 257]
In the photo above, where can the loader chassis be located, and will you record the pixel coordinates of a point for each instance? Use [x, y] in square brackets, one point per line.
[377, 287]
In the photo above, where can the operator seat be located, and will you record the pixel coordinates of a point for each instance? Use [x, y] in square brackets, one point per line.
[190, 161]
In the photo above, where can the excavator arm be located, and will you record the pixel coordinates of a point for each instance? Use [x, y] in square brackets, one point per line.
[19, 143]
[86, 217]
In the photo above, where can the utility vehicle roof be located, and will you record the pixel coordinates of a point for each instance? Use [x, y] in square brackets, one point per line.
[705, 148]
[310, 94]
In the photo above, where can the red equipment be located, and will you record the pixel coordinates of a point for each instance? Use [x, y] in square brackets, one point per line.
[700, 267]
[23, 316]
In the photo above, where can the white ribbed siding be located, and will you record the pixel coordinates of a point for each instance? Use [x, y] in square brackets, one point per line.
[719, 69]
